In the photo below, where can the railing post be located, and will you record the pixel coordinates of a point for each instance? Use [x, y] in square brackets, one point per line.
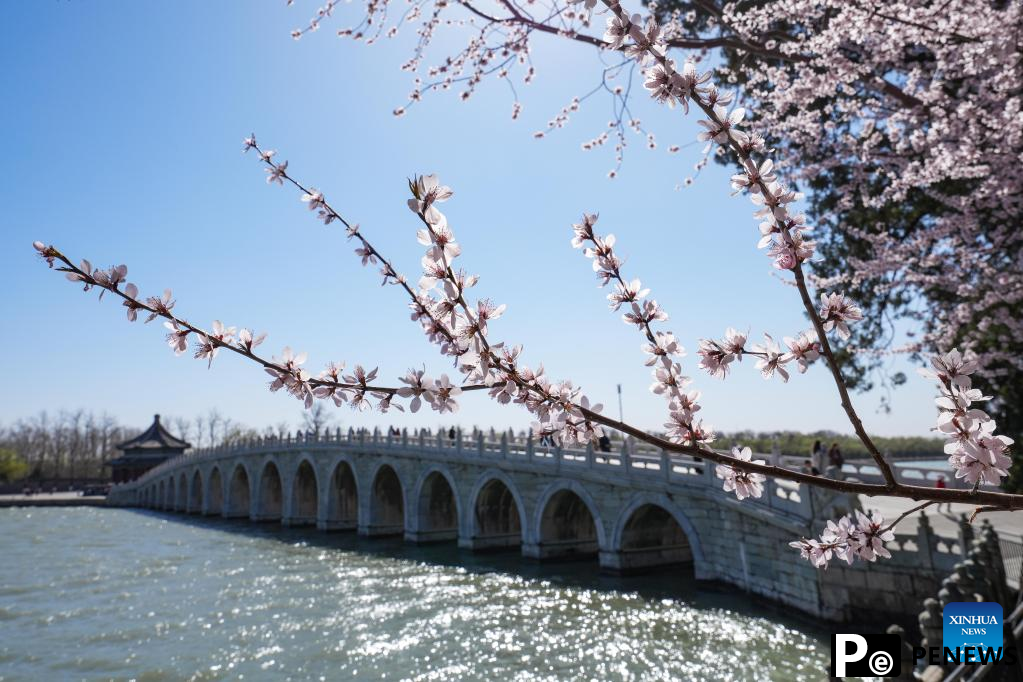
[806, 493]
[589, 454]
[666, 464]
[997, 568]
[529, 446]
[626, 459]
[931, 623]
[422, 439]
[965, 536]
[925, 542]
[458, 441]
[708, 473]
[479, 443]
[504, 446]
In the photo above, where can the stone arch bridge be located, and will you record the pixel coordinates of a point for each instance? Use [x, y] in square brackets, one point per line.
[629, 510]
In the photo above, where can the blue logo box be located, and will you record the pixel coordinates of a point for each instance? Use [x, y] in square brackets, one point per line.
[972, 624]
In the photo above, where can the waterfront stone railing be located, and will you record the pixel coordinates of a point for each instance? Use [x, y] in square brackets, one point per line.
[866, 471]
[627, 458]
[925, 476]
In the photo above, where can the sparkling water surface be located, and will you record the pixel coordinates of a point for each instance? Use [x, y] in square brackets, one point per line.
[89, 593]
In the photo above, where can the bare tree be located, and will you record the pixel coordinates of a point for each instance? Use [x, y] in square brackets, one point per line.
[317, 419]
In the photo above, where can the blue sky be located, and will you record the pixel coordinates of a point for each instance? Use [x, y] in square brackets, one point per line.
[124, 125]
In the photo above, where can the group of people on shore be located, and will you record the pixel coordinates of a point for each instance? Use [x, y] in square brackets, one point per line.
[815, 464]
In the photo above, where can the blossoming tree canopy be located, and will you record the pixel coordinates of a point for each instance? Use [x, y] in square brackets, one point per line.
[903, 122]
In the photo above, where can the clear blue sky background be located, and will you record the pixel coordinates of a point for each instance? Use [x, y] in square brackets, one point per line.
[123, 125]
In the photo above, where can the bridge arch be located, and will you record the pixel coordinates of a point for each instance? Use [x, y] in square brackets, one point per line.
[160, 495]
[652, 530]
[239, 492]
[438, 507]
[567, 522]
[386, 509]
[342, 496]
[305, 494]
[171, 490]
[497, 515]
[214, 492]
[181, 495]
[269, 492]
[195, 494]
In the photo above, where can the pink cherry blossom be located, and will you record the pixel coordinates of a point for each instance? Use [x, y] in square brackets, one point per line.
[836, 311]
[743, 483]
[177, 339]
[277, 173]
[444, 394]
[804, 349]
[247, 340]
[428, 190]
[418, 387]
[161, 306]
[131, 303]
[45, 252]
[332, 374]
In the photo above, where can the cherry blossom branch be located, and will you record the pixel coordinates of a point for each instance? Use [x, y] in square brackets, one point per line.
[287, 372]
[662, 347]
[835, 306]
[669, 85]
[908, 512]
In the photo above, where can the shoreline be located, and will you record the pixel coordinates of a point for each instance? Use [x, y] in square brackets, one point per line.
[58, 500]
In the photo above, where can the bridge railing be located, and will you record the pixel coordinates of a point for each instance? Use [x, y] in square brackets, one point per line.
[626, 459]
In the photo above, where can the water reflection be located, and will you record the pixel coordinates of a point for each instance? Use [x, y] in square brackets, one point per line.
[116, 593]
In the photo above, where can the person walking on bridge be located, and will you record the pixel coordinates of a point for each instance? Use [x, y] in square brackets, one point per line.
[817, 455]
[835, 460]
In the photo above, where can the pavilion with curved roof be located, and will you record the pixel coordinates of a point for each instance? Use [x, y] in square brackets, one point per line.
[143, 452]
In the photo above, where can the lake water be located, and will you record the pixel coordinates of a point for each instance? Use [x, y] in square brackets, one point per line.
[924, 463]
[89, 593]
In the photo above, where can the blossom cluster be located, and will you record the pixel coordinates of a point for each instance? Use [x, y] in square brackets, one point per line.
[743, 483]
[716, 355]
[461, 330]
[849, 539]
[975, 453]
[662, 349]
